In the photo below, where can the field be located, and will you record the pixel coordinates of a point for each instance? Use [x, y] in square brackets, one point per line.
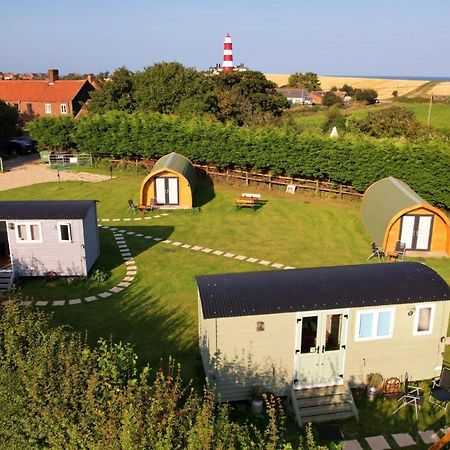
[158, 312]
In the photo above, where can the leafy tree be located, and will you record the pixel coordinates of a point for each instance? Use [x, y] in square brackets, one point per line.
[164, 86]
[396, 121]
[116, 94]
[395, 94]
[330, 99]
[308, 80]
[9, 122]
[367, 95]
[334, 89]
[248, 98]
[53, 133]
[335, 118]
[349, 90]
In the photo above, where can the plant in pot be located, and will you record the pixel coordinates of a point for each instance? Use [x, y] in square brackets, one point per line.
[374, 383]
[257, 399]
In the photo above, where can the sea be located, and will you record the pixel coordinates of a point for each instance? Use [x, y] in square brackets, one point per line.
[394, 77]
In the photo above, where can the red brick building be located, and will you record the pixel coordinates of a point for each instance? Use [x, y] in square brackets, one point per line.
[51, 97]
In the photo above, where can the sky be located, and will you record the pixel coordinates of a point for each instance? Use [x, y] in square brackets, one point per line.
[329, 37]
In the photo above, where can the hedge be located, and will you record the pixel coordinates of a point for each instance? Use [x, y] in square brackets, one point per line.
[349, 160]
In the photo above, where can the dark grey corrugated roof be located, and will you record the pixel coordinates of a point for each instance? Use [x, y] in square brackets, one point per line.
[44, 209]
[382, 201]
[178, 163]
[280, 291]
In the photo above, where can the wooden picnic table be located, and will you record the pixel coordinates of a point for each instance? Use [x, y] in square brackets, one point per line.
[249, 201]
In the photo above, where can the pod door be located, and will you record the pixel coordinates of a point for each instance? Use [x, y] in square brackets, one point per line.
[320, 348]
[415, 231]
[166, 191]
[5, 255]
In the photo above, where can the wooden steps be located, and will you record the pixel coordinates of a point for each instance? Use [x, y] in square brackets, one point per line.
[6, 280]
[323, 404]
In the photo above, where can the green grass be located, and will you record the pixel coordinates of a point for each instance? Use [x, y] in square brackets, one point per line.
[158, 312]
[440, 114]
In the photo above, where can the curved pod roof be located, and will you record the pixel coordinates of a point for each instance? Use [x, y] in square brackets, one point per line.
[384, 202]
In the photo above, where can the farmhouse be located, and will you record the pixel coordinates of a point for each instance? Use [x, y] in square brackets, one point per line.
[391, 211]
[170, 184]
[41, 237]
[296, 96]
[51, 97]
[300, 332]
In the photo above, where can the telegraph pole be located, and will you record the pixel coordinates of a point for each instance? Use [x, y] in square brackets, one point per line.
[429, 109]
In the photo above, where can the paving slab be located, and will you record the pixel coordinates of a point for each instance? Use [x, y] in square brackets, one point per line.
[403, 439]
[126, 254]
[207, 250]
[131, 233]
[113, 229]
[139, 235]
[127, 219]
[59, 303]
[164, 214]
[186, 245]
[137, 218]
[229, 255]
[131, 272]
[105, 220]
[196, 248]
[157, 239]
[252, 260]
[377, 443]
[289, 268]
[123, 231]
[75, 301]
[351, 445]
[156, 217]
[116, 289]
[91, 298]
[217, 252]
[131, 268]
[166, 241]
[116, 220]
[176, 243]
[428, 437]
[148, 237]
[277, 265]
[124, 284]
[131, 262]
[147, 218]
[240, 257]
[128, 258]
[263, 262]
[122, 245]
[105, 294]
[39, 303]
[128, 279]
[25, 303]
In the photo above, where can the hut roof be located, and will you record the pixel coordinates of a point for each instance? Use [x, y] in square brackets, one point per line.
[382, 201]
[178, 163]
[318, 289]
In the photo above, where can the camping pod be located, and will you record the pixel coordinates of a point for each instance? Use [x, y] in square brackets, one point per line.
[391, 211]
[170, 184]
[311, 334]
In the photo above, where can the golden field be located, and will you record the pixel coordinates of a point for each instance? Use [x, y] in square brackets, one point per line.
[384, 86]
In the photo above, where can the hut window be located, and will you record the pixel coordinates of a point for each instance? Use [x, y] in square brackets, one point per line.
[260, 326]
[65, 232]
[423, 319]
[28, 232]
[376, 324]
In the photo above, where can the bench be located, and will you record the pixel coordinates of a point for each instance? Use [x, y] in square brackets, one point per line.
[249, 201]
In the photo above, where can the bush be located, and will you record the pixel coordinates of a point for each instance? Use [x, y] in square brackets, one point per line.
[355, 160]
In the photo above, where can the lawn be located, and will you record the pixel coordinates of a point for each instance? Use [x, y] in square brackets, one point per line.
[158, 312]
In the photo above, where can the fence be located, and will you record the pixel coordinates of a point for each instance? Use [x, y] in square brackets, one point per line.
[69, 160]
[248, 177]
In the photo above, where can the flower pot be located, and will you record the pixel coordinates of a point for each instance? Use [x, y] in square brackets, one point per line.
[257, 406]
[372, 393]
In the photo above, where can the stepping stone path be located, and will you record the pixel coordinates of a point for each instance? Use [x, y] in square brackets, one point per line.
[131, 271]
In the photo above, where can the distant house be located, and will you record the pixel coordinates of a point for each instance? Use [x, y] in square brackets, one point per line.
[316, 97]
[51, 97]
[296, 96]
[41, 237]
[311, 334]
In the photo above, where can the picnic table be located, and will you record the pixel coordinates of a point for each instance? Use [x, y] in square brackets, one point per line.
[247, 200]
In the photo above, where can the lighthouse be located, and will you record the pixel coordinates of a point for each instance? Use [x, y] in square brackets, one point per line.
[227, 54]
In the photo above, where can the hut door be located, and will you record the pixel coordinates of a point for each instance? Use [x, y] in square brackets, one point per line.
[166, 191]
[320, 348]
[415, 231]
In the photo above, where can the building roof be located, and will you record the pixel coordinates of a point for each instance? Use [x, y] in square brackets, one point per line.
[44, 209]
[382, 201]
[294, 93]
[14, 91]
[177, 163]
[296, 290]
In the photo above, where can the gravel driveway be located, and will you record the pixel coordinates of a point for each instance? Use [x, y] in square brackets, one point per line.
[27, 170]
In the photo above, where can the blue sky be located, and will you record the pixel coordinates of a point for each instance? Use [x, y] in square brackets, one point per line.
[376, 37]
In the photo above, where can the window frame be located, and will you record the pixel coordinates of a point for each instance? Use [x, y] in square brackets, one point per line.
[375, 319]
[28, 226]
[70, 232]
[416, 332]
[48, 108]
[63, 108]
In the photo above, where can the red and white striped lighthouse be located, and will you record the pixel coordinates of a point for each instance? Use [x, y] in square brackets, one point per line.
[227, 54]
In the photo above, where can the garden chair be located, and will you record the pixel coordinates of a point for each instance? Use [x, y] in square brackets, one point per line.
[376, 251]
[411, 396]
[440, 389]
[400, 248]
[132, 207]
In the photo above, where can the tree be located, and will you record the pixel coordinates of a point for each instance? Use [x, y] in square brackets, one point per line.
[248, 98]
[308, 80]
[116, 94]
[9, 122]
[53, 133]
[367, 95]
[396, 121]
[164, 86]
[330, 99]
[335, 118]
[349, 90]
